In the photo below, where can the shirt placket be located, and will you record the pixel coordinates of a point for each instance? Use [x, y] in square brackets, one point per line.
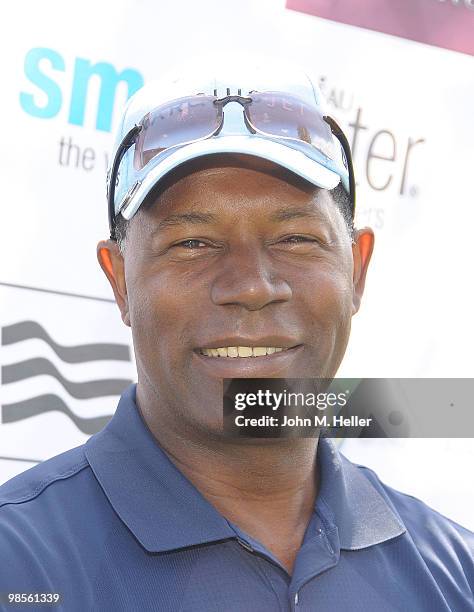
[318, 553]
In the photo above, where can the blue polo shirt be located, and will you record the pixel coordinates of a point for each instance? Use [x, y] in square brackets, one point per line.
[113, 525]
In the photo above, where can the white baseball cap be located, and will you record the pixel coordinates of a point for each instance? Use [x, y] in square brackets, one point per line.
[288, 120]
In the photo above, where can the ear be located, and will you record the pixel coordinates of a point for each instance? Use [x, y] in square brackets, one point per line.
[361, 253]
[112, 263]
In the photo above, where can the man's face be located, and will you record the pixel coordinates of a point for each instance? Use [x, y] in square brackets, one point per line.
[235, 253]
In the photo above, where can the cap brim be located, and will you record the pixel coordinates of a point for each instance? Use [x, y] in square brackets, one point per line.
[292, 159]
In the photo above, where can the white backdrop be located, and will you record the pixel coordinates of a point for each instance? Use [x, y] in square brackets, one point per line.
[65, 353]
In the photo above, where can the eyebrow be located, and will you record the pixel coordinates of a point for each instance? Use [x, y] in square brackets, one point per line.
[200, 218]
[195, 218]
[297, 212]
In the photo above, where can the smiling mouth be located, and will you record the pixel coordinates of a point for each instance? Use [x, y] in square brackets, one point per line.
[241, 351]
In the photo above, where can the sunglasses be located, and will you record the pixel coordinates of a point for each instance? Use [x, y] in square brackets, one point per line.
[273, 115]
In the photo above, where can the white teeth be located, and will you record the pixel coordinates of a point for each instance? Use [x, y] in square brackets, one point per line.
[245, 351]
[241, 351]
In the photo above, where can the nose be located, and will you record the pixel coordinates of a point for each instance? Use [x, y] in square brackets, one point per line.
[248, 280]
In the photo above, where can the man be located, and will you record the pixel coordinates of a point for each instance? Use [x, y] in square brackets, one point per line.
[232, 255]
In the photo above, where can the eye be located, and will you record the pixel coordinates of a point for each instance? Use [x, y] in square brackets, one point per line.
[192, 243]
[296, 239]
[300, 244]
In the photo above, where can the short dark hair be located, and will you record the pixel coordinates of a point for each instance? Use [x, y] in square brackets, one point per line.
[343, 201]
[339, 195]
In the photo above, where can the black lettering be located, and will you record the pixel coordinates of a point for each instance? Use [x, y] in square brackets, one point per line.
[410, 146]
[371, 155]
[88, 158]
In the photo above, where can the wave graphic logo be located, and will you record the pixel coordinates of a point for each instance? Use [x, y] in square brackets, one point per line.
[62, 365]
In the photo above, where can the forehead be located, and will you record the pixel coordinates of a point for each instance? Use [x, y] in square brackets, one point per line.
[228, 184]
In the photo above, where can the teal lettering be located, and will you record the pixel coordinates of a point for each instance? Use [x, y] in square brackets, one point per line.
[110, 78]
[33, 59]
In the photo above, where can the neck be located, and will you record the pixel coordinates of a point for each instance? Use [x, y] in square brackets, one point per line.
[266, 487]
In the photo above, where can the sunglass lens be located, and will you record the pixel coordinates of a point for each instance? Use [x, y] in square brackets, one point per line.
[279, 114]
[177, 122]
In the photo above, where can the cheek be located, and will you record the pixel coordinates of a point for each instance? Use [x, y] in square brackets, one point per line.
[327, 299]
[327, 288]
[160, 312]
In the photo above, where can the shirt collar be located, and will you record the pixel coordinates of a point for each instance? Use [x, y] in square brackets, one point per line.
[354, 503]
[165, 511]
